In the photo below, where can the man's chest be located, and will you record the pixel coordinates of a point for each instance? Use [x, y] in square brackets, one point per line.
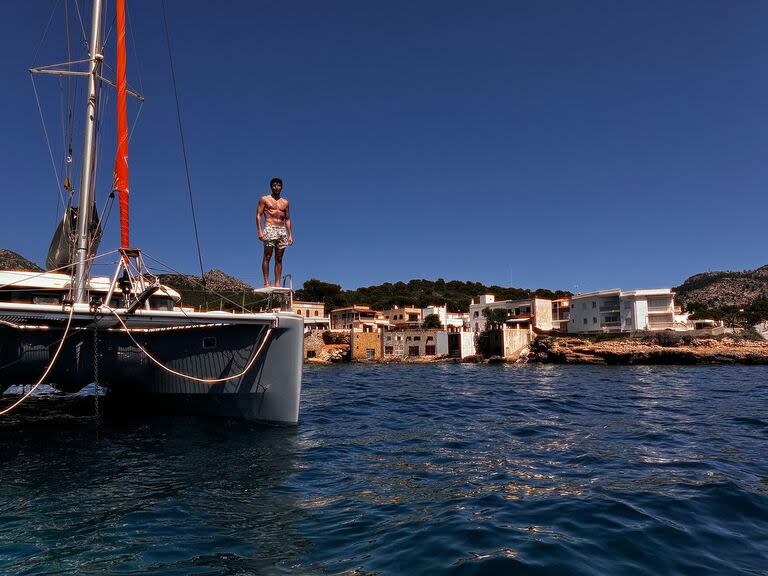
[273, 205]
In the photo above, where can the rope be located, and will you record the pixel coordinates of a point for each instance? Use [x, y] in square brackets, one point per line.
[183, 145]
[253, 359]
[138, 73]
[82, 26]
[45, 32]
[47, 370]
[47, 140]
[205, 291]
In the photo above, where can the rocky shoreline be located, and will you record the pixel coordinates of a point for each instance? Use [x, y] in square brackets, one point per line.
[627, 351]
[614, 351]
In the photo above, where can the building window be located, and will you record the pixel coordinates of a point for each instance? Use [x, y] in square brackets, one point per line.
[585, 320]
[594, 320]
[388, 349]
[416, 338]
[429, 350]
[317, 312]
[477, 313]
[370, 353]
[594, 304]
[413, 350]
[389, 338]
[430, 338]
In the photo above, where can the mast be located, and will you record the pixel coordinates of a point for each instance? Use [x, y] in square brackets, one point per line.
[87, 174]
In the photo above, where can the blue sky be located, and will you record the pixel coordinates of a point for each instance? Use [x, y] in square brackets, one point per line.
[570, 145]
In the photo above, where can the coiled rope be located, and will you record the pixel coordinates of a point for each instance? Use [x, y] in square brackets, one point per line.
[47, 370]
[253, 359]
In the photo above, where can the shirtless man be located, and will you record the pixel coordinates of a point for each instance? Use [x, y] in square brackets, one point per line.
[276, 232]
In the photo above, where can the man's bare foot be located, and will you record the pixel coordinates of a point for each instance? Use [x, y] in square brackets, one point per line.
[266, 284]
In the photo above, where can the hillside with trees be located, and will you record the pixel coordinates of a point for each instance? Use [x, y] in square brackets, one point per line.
[421, 293]
[736, 297]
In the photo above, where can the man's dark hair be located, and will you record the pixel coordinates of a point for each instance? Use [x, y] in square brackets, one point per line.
[275, 180]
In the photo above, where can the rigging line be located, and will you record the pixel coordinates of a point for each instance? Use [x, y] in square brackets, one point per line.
[135, 121]
[63, 124]
[135, 52]
[107, 210]
[108, 33]
[48, 369]
[62, 160]
[55, 270]
[45, 32]
[265, 338]
[47, 140]
[205, 290]
[138, 72]
[183, 145]
[82, 27]
[70, 99]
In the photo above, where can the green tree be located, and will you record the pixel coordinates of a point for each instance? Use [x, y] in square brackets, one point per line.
[494, 318]
[432, 321]
[315, 290]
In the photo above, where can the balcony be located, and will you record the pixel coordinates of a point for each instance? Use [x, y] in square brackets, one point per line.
[526, 316]
[660, 310]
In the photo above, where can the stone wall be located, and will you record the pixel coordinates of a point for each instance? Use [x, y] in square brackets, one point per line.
[313, 344]
[365, 346]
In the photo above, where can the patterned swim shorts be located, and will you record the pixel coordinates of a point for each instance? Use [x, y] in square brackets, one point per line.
[275, 236]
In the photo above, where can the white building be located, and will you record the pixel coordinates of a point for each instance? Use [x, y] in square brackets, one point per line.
[456, 344]
[449, 320]
[528, 313]
[616, 310]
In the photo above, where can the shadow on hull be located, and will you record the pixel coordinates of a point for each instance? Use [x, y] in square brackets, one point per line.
[265, 389]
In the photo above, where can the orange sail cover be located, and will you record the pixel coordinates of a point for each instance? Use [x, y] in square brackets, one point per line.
[121, 159]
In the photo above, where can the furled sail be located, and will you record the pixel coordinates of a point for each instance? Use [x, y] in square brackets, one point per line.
[121, 158]
[61, 252]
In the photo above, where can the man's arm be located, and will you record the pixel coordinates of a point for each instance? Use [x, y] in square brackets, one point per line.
[288, 223]
[259, 212]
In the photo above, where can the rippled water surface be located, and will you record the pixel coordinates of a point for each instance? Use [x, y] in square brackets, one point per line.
[404, 469]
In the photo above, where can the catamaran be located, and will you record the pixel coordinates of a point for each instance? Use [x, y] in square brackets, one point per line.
[128, 332]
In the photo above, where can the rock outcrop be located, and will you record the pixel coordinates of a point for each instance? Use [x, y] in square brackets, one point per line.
[12, 261]
[573, 350]
[723, 289]
[215, 281]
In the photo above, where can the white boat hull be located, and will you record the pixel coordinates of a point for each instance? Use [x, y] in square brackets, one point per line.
[258, 355]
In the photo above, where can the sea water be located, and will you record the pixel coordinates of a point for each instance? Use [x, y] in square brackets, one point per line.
[408, 469]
